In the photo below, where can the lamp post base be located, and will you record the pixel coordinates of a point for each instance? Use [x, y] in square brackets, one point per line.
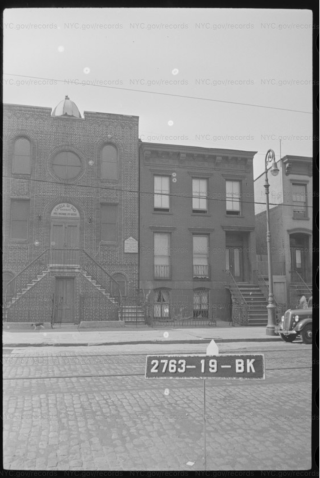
[270, 330]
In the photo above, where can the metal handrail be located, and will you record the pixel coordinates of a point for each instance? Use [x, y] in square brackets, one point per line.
[16, 277]
[97, 264]
[259, 280]
[25, 268]
[306, 285]
[234, 283]
[28, 266]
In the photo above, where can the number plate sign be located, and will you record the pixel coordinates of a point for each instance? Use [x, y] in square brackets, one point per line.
[206, 366]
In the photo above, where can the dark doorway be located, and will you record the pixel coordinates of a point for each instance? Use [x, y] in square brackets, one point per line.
[299, 249]
[234, 262]
[64, 300]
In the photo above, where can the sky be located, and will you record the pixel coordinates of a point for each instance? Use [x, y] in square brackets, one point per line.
[213, 78]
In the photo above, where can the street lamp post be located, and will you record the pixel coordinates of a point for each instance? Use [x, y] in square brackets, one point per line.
[270, 157]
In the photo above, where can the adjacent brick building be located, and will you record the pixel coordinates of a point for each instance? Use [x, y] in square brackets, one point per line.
[291, 196]
[196, 222]
[70, 213]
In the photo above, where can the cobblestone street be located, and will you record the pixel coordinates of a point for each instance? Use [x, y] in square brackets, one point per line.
[81, 409]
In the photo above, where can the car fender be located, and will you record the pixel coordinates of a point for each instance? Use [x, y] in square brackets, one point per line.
[302, 324]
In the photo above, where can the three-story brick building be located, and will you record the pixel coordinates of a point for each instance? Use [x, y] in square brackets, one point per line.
[197, 232]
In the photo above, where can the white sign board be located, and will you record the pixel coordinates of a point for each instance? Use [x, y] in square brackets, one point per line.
[65, 210]
[131, 246]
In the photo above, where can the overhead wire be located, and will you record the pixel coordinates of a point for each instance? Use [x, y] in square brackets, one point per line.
[152, 193]
[164, 94]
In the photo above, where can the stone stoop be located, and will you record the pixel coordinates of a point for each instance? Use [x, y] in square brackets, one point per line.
[98, 286]
[254, 298]
[27, 288]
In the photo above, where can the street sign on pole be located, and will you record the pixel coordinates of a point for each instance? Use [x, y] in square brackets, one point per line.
[235, 366]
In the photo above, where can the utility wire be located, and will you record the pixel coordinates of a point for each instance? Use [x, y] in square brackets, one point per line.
[151, 193]
[165, 94]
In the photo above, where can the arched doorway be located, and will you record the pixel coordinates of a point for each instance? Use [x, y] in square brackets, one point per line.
[65, 221]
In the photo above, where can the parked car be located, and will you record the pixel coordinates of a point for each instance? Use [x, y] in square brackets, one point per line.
[297, 322]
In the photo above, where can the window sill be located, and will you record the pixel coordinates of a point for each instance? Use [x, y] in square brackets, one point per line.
[201, 279]
[200, 213]
[19, 241]
[296, 218]
[234, 215]
[162, 212]
[162, 278]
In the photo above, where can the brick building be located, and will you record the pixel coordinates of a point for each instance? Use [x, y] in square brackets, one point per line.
[197, 234]
[291, 228]
[70, 213]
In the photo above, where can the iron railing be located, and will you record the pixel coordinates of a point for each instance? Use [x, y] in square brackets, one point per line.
[201, 272]
[240, 308]
[78, 260]
[100, 275]
[161, 271]
[25, 277]
[296, 278]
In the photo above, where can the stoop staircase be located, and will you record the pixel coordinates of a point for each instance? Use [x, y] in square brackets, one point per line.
[250, 300]
[98, 286]
[256, 302]
[78, 261]
[18, 295]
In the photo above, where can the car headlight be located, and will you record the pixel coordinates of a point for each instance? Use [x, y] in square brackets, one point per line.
[296, 318]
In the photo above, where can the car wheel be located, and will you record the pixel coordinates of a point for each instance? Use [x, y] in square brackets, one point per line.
[306, 334]
[288, 338]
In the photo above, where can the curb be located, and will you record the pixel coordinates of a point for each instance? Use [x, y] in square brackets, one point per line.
[157, 342]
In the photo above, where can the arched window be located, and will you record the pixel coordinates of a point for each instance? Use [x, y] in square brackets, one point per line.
[66, 165]
[21, 162]
[122, 282]
[161, 308]
[109, 162]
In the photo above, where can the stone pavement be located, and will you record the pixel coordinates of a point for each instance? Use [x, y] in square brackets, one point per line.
[71, 335]
[77, 412]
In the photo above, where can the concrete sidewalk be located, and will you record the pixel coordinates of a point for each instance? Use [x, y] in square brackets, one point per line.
[72, 336]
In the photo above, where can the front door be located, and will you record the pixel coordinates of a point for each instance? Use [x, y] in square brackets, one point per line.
[64, 300]
[234, 262]
[298, 261]
[64, 242]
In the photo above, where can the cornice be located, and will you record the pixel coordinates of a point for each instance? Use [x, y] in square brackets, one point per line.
[201, 229]
[238, 228]
[162, 228]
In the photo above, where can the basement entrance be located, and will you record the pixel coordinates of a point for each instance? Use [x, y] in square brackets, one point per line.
[64, 300]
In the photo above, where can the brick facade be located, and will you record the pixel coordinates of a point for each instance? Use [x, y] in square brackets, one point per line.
[181, 164]
[289, 231]
[85, 137]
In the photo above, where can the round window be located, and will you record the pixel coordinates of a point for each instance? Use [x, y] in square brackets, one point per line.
[66, 165]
